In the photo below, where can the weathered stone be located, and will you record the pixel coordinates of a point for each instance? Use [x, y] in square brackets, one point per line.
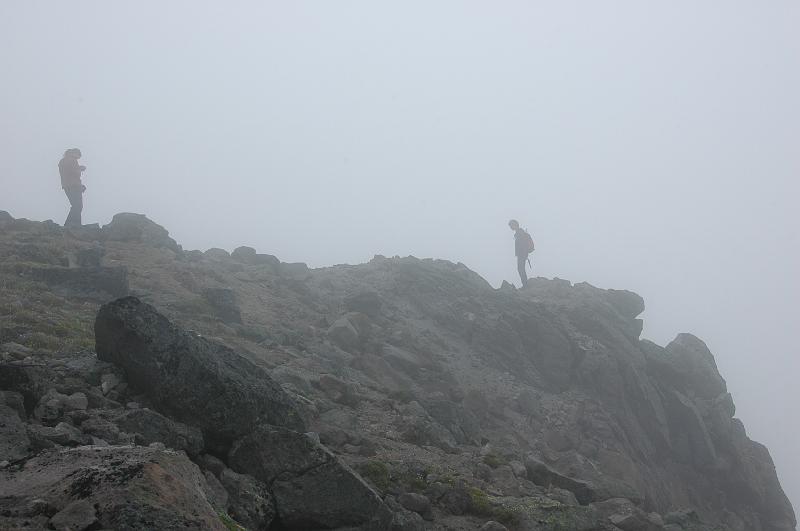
[225, 304]
[249, 500]
[149, 426]
[128, 227]
[215, 492]
[417, 503]
[312, 487]
[406, 521]
[75, 401]
[367, 302]
[344, 335]
[189, 378]
[76, 516]
[543, 475]
[14, 441]
[62, 434]
[133, 488]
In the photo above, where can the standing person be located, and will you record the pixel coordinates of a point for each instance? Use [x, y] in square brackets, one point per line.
[523, 246]
[70, 172]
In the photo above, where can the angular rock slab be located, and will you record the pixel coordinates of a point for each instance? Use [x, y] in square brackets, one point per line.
[189, 378]
[131, 488]
[312, 487]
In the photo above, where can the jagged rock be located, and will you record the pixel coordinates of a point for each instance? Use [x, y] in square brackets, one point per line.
[133, 488]
[5, 218]
[215, 253]
[695, 365]
[16, 350]
[14, 440]
[417, 503]
[128, 227]
[693, 441]
[75, 401]
[189, 378]
[149, 426]
[62, 434]
[369, 303]
[543, 475]
[249, 500]
[225, 304]
[15, 401]
[76, 516]
[244, 254]
[406, 521]
[312, 487]
[215, 492]
[344, 335]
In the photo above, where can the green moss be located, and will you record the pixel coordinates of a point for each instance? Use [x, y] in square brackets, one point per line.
[480, 502]
[377, 472]
[494, 460]
[229, 522]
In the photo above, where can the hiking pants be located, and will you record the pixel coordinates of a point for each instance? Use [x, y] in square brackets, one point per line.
[75, 196]
[523, 273]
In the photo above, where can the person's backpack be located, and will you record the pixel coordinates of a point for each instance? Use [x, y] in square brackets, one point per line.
[528, 240]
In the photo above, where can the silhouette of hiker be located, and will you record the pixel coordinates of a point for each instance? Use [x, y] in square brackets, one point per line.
[70, 172]
[523, 246]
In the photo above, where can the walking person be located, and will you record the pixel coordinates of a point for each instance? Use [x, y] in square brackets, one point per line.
[70, 172]
[523, 246]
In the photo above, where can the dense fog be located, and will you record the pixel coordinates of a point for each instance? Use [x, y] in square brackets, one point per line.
[650, 148]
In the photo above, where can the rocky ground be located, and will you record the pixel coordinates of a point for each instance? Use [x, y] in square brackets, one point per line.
[147, 387]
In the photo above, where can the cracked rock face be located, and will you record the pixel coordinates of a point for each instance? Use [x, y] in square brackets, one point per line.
[312, 487]
[195, 381]
[442, 403]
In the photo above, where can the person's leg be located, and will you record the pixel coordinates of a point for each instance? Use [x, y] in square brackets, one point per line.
[75, 196]
[523, 273]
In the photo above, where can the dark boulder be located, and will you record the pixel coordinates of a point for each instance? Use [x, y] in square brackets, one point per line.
[312, 487]
[189, 378]
[225, 304]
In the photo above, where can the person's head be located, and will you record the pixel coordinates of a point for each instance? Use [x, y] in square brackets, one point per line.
[75, 153]
[514, 224]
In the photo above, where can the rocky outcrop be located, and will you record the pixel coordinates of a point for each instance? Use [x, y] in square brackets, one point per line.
[401, 394]
[312, 487]
[189, 378]
[111, 488]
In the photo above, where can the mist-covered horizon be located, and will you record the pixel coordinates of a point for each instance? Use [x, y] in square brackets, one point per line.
[645, 147]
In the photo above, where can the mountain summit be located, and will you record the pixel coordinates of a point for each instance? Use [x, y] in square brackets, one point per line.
[143, 386]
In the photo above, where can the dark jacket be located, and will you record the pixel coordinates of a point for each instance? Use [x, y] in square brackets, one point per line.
[70, 172]
[521, 243]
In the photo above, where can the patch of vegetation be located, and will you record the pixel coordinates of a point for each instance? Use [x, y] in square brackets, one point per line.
[377, 472]
[480, 502]
[494, 460]
[229, 522]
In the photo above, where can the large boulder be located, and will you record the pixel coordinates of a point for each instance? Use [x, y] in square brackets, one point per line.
[128, 488]
[189, 378]
[312, 487]
[225, 303]
[14, 442]
[128, 227]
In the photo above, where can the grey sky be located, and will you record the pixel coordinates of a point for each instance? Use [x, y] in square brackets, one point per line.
[648, 146]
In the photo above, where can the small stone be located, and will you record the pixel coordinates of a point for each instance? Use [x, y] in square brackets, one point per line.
[76, 516]
[133, 405]
[157, 446]
[418, 503]
[108, 382]
[491, 525]
[76, 401]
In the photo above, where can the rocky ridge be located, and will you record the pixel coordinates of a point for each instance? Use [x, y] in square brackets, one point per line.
[143, 386]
